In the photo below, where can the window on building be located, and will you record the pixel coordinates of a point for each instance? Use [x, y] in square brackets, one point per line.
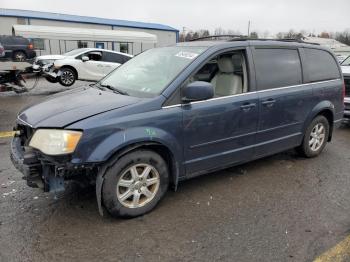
[124, 47]
[21, 21]
[82, 44]
[38, 43]
[320, 65]
[100, 45]
[277, 67]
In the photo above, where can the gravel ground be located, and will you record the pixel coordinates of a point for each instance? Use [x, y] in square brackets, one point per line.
[280, 208]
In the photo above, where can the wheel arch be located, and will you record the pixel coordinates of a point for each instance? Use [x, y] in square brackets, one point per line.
[161, 149]
[18, 50]
[157, 147]
[326, 109]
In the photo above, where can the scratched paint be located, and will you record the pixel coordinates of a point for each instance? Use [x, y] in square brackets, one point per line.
[151, 132]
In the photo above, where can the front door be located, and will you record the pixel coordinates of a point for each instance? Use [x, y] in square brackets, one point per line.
[221, 131]
[93, 69]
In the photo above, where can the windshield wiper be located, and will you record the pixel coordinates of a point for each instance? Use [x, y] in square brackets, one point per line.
[114, 89]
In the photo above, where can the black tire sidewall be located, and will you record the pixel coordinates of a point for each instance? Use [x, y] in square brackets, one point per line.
[60, 78]
[306, 150]
[51, 80]
[110, 200]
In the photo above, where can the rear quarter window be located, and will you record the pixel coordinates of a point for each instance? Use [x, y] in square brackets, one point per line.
[115, 58]
[277, 67]
[320, 65]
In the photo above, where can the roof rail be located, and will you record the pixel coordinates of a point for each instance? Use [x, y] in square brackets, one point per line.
[297, 40]
[216, 37]
[246, 38]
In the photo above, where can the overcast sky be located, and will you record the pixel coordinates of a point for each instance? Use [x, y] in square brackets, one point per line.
[266, 15]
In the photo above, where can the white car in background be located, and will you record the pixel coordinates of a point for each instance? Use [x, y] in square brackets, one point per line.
[89, 64]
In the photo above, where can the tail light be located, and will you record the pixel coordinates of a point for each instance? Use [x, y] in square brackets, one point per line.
[30, 46]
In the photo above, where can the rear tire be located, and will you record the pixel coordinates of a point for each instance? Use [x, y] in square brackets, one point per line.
[315, 137]
[135, 184]
[19, 56]
[67, 77]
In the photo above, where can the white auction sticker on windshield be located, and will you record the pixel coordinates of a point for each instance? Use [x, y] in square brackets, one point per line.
[187, 55]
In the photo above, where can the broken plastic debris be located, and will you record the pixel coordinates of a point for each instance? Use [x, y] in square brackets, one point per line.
[9, 193]
[8, 183]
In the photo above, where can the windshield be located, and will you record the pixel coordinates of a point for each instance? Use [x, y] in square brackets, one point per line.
[346, 62]
[149, 73]
[74, 52]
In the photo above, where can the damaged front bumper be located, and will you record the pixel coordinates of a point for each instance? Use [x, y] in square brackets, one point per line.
[38, 175]
[49, 173]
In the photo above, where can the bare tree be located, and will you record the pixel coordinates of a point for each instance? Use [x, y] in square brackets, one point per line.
[324, 35]
[219, 31]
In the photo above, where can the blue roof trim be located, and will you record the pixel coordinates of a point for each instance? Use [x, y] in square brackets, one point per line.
[83, 19]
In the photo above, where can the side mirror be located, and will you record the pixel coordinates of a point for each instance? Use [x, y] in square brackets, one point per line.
[197, 91]
[85, 58]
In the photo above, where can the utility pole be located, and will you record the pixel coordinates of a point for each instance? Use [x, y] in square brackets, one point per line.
[183, 33]
[248, 28]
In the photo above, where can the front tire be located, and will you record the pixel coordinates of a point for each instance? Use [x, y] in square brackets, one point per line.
[67, 77]
[135, 184]
[51, 80]
[315, 137]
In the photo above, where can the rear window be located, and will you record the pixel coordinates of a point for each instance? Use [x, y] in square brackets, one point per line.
[115, 58]
[277, 67]
[320, 65]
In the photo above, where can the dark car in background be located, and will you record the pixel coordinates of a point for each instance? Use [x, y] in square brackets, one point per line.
[345, 66]
[17, 48]
[177, 112]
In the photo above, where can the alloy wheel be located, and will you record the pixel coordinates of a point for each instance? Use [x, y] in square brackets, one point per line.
[317, 137]
[67, 77]
[138, 185]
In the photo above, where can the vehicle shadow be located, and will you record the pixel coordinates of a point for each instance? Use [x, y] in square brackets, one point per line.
[82, 200]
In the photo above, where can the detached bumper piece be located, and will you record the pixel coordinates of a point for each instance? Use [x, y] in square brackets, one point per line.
[38, 175]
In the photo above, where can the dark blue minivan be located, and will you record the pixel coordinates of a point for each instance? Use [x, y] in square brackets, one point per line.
[177, 112]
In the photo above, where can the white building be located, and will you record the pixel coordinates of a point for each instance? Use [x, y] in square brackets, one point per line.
[54, 33]
[338, 48]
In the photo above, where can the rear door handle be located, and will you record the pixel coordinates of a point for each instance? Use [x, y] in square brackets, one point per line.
[269, 102]
[247, 106]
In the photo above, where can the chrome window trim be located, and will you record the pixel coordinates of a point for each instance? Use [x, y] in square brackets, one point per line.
[254, 92]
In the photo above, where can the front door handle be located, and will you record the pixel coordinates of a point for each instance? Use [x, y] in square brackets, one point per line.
[247, 106]
[269, 102]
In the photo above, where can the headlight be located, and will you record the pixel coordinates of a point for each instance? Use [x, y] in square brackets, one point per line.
[54, 141]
